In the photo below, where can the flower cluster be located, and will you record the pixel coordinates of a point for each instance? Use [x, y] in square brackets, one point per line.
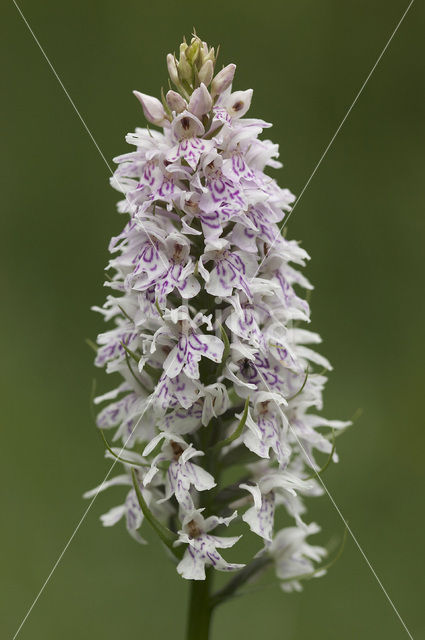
[205, 298]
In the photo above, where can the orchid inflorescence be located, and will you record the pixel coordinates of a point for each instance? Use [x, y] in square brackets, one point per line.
[218, 380]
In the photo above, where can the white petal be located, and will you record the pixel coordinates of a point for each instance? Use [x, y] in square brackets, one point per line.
[191, 567]
[215, 347]
[150, 475]
[255, 492]
[152, 444]
[123, 480]
[201, 479]
[113, 516]
[172, 365]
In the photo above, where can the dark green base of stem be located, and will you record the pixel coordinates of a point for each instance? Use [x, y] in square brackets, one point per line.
[200, 611]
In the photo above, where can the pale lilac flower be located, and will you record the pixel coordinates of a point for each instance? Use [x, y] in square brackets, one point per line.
[202, 546]
[187, 345]
[182, 473]
[274, 488]
[294, 556]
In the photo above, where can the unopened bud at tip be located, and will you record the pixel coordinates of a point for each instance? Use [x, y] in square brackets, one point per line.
[223, 79]
[184, 68]
[205, 73]
[193, 50]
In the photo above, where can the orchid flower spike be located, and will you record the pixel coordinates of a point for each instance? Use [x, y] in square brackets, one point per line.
[207, 310]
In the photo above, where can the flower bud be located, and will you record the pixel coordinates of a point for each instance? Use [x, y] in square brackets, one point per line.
[207, 54]
[185, 70]
[223, 79]
[200, 101]
[192, 52]
[152, 108]
[205, 73]
[204, 51]
[172, 69]
[175, 101]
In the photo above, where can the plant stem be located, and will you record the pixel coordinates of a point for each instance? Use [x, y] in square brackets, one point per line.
[199, 614]
[240, 578]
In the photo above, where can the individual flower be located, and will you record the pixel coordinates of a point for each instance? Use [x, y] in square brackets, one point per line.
[294, 557]
[202, 547]
[182, 473]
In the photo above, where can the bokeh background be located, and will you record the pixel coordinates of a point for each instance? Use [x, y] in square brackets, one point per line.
[362, 221]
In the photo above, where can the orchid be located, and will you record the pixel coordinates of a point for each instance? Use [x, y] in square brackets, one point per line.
[202, 546]
[206, 303]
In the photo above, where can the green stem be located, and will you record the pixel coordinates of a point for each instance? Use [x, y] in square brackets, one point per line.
[168, 537]
[240, 578]
[199, 614]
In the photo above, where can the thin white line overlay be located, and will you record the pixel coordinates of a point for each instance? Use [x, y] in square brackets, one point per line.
[132, 207]
[357, 543]
[83, 517]
[322, 157]
[151, 398]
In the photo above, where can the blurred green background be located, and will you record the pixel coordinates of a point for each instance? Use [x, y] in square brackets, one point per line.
[362, 221]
